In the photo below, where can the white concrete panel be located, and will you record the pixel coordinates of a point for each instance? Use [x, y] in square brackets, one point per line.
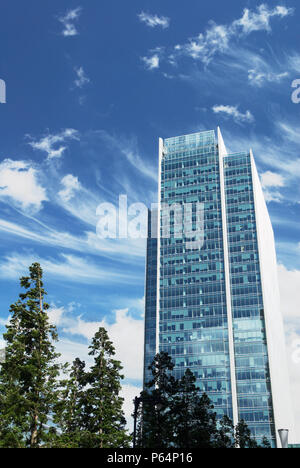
[160, 158]
[222, 154]
[273, 318]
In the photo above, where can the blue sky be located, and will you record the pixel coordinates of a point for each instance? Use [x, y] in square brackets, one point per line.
[90, 88]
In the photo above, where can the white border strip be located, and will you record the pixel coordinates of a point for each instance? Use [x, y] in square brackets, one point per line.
[223, 152]
[160, 157]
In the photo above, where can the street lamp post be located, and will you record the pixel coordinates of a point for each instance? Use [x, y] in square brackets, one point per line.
[284, 437]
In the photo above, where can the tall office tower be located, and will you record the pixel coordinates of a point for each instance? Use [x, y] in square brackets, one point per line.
[212, 299]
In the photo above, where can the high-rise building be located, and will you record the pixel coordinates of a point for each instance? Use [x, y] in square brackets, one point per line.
[212, 298]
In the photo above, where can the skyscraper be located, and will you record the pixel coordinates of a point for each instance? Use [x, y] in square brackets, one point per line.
[212, 298]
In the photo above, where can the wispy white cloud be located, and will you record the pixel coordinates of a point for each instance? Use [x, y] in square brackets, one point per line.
[294, 61]
[82, 204]
[289, 131]
[67, 266]
[3, 322]
[68, 21]
[277, 151]
[151, 63]
[87, 243]
[258, 78]
[273, 196]
[259, 20]
[271, 181]
[48, 143]
[219, 38]
[19, 184]
[233, 112]
[289, 281]
[71, 185]
[240, 66]
[81, 78]
[128, 147]
[154, 20]
[205, 46]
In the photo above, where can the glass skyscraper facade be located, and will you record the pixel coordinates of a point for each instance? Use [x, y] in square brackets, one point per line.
[207, 302]
[254, 395]
[150, 297]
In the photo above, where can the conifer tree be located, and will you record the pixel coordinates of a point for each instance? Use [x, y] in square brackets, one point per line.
[174, 414]
[225, 435]
[69, 431]
[243, 436]
[195, 421]
[103, 416]
[28, 375]
[265, 443]
[157, 418]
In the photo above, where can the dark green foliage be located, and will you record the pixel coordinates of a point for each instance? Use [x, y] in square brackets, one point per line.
[157, 404]
[68, 410]
[225, 434]
[86, 407]
[28, 377]
[195, 422]
[103, 414]
[265, 443]
[243, 437]
[89, 413]
[174, 414]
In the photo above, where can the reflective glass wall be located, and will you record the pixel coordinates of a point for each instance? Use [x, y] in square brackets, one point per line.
[193, 324]
[192, 307]
[150, 297]
[251, 354]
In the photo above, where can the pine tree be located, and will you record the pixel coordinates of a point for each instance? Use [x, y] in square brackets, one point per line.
[28, 375]
[157, 418]
[174, 414]
[195, 421]
[243, 436]
[102, 416]
[225, 435]
[69, 432]
[265, 443]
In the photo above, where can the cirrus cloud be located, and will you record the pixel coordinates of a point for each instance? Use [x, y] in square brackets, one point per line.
[154, 20]
[68, 20]
[232, 111]
[49, 142]
[81, 77]
[219, 38]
